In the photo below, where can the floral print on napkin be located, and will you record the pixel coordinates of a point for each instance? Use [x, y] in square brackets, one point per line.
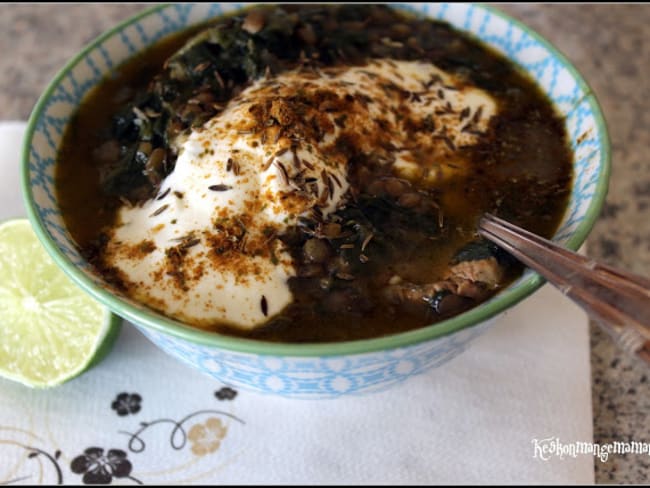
[202, 432]
[125, 404]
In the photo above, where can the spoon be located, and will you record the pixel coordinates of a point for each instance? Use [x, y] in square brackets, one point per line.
[619, 302]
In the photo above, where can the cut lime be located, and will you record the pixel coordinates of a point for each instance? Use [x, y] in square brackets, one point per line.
[50, 330]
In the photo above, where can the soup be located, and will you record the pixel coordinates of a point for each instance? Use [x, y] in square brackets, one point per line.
[311, 173]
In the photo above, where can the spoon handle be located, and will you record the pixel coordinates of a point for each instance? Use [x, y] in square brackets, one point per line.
[618, 301]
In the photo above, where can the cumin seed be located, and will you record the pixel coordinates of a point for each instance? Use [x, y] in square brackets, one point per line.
[220, 187]
[164, 194]
[447, 141]
[324, 196]
[366, 241]
[280, 152]
[296, 160]
[345, 276]
[283, 172]
[268, 164]
[190, 243]
[309, 165]
[265, 306]
[201, 67]
[323, 177]
[477, 114]
[278, 135]
[330, 187]
[217, 75]
[159, 211]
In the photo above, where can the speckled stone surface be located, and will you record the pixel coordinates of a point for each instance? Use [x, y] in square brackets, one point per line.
[609, 44]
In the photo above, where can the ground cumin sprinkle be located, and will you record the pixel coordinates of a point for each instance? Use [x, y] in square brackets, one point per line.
[312, 173]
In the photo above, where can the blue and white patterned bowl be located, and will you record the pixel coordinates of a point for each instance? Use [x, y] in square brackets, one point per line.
[312, 370]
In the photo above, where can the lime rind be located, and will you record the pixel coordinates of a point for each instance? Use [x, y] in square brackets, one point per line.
[50, 330]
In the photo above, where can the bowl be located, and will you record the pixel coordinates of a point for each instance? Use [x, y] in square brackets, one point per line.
[312, 370]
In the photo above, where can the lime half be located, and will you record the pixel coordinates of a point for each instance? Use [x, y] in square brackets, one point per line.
[50, 330]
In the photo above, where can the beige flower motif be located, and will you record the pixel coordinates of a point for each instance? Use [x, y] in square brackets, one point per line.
[206, 438]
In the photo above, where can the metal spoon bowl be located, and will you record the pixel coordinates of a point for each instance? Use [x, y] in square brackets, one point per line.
[617, 301]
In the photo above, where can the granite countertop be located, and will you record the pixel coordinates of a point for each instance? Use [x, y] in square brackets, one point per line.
[610, 46]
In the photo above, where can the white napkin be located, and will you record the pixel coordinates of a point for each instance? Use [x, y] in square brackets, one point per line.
[472, 420]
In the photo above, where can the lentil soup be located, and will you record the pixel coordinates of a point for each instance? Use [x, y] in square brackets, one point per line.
[311, 173]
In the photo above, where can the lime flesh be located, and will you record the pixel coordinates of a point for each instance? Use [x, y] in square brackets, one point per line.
[50, 330]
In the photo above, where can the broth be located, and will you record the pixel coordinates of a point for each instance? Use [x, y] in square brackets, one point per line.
[399, 253]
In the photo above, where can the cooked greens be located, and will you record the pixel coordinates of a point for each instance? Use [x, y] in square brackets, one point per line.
[401, 253]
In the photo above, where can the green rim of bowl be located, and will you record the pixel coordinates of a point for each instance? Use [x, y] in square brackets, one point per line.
[159, 323]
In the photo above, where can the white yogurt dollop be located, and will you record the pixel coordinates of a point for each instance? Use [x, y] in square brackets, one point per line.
[205, 250]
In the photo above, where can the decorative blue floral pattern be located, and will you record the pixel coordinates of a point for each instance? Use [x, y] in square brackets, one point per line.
[317, 377]
[324, 377]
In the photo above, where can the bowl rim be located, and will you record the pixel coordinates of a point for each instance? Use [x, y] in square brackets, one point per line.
[158, 323]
